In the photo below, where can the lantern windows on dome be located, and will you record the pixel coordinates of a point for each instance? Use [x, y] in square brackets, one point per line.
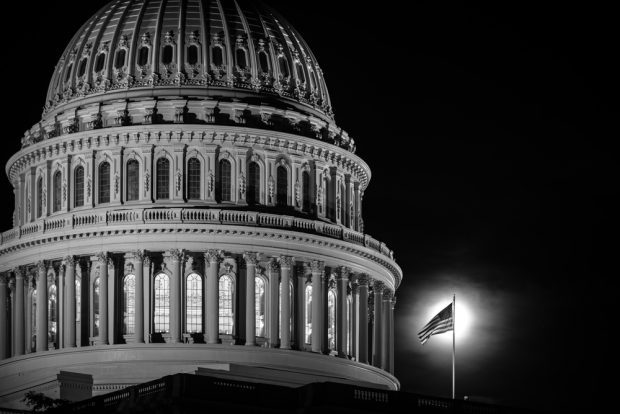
[167, 54]
[241, 58]
[283, 64]
[143, 55]
[263, 61]
[217, 56]
[119, 59]
[192, 55]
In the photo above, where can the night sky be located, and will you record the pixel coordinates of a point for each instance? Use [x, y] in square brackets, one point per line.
[490, 137]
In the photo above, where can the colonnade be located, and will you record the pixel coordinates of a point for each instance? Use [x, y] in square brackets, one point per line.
[358, 324]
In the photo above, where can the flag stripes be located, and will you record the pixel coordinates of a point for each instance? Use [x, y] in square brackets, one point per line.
[442, 322]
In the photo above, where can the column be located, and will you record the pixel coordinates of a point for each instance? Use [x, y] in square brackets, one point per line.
[212, 263]
[41, 307]
[69, 331]
[250, 298]
[4, 279]
[285, 298]
[138, 265]
[274, 304]
[174, 262]
[342, 278]
[146, 297]
[12, 316]
[391, 362]
[102, 263]
[29, 316]
[376, 326]
[354, 317]
[317, 311]
[300, 320]
[60, 307]
[19, 312]
[362, 343]
[385, 329]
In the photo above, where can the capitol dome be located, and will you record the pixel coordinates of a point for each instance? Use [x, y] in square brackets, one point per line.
[187, 203]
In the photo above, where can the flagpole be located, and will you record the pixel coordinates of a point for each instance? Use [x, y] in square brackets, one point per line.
[453, 342]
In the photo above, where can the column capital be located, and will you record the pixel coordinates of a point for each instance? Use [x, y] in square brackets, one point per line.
[274, 266]
[317, 266]
[251, 258]
[393, 301]
[286, 261]
[4, 278]
[175, 254]
[101, 257]
[137, 255]
[11, 283]
[343, 273]
[378, 287]
[18, 272]
[69, 260]
[387, 294]
[41, 266]
[363, 279]
[213, 256]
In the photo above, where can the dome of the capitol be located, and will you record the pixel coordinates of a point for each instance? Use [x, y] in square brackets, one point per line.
[238, 52]
[187, 203]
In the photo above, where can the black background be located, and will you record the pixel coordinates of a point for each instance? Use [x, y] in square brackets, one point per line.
[490, 133]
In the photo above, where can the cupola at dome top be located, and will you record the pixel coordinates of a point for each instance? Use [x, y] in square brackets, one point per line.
[239, 51]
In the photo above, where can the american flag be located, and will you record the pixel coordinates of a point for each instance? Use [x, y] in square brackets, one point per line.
[442, 322]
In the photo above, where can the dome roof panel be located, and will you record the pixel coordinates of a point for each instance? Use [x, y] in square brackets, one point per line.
[243, 47]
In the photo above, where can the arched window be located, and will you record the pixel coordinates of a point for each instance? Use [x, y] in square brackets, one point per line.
[260, 304]
[52, 314]
[104, 182]
[193, 300]
[253, 183]
[96, 307]
[263, 61]
[166, 54]
[225, 181]
[193, 179]
[162, 188]
[82, 67]
[57, 187]
[283, 66]
[99, 63]
[343, 204]
[349, 325]
[33, 321]
[133, 180]
[282, 190]
[331, 319]
[161, 314]
[226, 305]
[119, 60]
[40, 197]
[192, 54]
[218, 58]
[129, 305]
[78, 187]
[305, 181]
[78, 298]
[300, 73]
[241, 60]
[308, 318]
[143, 56]
[68, 72]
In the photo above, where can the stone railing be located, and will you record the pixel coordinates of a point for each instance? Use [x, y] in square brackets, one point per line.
[98, 218]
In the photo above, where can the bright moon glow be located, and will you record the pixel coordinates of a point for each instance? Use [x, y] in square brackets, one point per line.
[462, 321]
